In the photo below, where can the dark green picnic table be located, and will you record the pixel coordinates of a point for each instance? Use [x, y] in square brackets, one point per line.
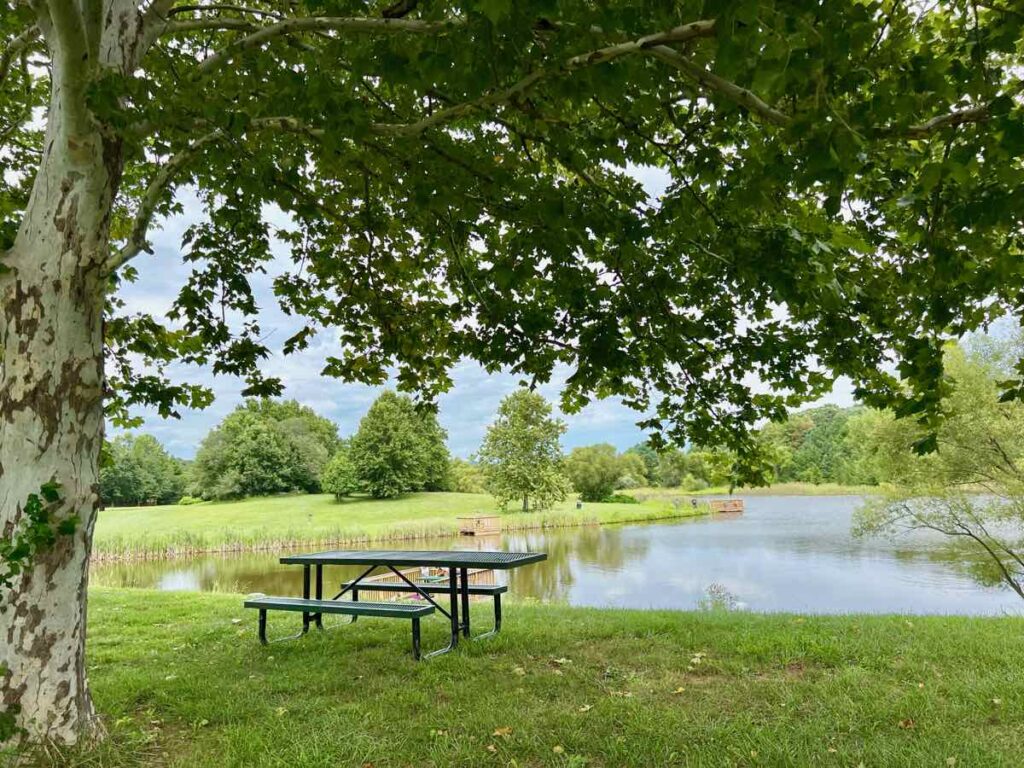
[312, 605]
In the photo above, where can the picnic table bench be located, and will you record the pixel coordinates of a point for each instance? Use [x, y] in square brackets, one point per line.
[313, 606]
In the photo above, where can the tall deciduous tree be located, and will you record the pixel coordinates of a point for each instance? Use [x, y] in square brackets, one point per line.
[339, 476]
[138, 470]
[398, 448]
[454, 176]
[972, 488]
[264, 446]
[521, 455]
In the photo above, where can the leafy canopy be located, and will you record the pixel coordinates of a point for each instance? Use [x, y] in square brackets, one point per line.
[594, 471]
[264, 447]
[972, 487]
[398, 448]
[339, 476]
[521, 456]
[138, 470]
[844, 187]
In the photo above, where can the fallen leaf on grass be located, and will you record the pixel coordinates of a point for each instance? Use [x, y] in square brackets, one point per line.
[558, 749]
[950, 761]
[280, 711]
[907, 723]
[623, 694]
[519, 671]
[504, 732]
[562, 661]
[679, 690]
[997, 702]
[491, 748]
[586, 707]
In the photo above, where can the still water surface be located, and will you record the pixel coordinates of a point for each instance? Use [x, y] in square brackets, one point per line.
[782, 554]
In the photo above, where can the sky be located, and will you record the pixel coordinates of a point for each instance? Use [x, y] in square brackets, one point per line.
[465, 411]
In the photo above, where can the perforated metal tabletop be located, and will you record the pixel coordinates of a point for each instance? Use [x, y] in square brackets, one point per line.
[437, 558]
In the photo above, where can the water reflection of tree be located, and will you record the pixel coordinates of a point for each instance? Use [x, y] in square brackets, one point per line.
[961, 558]
[608, 549]
[605, 549]
[242, 573]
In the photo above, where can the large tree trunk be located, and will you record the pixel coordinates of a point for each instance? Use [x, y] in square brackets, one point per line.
[51, 415]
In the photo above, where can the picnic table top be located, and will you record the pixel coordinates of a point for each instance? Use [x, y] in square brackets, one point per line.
[438, 558]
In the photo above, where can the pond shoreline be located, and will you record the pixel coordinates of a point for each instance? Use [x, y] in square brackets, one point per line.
[518, 522]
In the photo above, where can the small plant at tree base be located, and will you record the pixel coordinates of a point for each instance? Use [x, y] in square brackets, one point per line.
[37, 530]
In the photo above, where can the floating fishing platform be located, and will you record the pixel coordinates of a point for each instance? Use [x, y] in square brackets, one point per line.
[479, 525]
[726, 505]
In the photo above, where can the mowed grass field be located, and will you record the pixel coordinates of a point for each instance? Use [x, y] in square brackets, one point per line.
[180, 683]
[280, 521]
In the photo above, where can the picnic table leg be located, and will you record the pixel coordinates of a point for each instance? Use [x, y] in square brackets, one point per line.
[464, 577]
[263, 627]
[305, 596]
[453, 591]
[319, 593]
[416, 638]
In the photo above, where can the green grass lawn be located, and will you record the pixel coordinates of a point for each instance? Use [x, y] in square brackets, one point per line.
[278, 521]
[180, 684]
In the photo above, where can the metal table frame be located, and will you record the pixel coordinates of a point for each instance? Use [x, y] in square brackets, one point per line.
[457, 564]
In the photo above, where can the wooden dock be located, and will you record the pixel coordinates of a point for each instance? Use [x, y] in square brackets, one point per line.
[726, 505]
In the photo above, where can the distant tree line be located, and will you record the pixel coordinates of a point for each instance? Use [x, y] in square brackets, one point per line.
[272, 446]
[137, 470]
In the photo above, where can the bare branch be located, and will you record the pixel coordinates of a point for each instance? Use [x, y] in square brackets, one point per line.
[710, 80]
[512, 93]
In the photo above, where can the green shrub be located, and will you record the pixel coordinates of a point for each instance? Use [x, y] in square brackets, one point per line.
[186, 500]
[620, 498]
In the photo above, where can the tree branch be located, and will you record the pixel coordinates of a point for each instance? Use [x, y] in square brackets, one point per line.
[978, 114]
[92, 18]
[949, 120]
[317, 24]
[216, 22]
[512, 93]
[14, 47]
[223, 7]
[710, 80]
[147, 207]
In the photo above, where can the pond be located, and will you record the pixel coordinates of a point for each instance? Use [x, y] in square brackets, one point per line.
[781, 554]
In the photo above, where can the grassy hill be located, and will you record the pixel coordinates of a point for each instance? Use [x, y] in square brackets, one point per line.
[280, 521]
